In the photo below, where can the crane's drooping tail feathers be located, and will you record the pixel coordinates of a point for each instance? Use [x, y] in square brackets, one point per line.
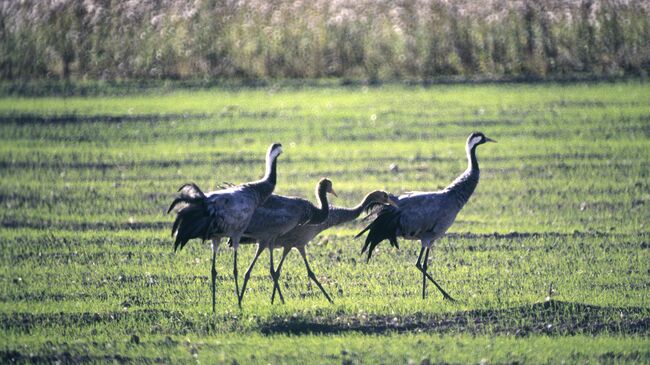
[382, 228]
[373, 209]
[193, 220]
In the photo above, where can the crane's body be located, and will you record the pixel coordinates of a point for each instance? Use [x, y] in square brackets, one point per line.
[303, 234]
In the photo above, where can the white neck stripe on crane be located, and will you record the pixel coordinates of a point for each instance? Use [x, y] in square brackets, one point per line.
[275, 152]
[472, 142]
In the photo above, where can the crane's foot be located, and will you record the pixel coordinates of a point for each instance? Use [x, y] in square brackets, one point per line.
[276, 287]
[424, 280]
[445, 295]
[214, 290]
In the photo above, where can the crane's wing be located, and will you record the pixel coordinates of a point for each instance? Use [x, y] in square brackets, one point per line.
[204, 215]
[415, 213]
[231, 209]
[420, 213]
[277, 216]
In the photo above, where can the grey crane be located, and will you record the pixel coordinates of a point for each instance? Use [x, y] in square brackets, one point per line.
[279, 215]
[300, 236]
[222, 213]
[426, 216]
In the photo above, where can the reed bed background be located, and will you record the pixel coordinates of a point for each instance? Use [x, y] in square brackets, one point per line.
[368, 40]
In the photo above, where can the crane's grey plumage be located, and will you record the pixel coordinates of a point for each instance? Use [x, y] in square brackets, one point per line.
[279, 215]
[222, 213]
[301, 235]
[426, 216]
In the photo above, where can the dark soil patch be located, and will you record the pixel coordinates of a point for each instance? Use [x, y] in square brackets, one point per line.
[67, 357]
[22, 119]
[160, 322]
[520, 235]
[127, 165]
[85, 226]
[548, 318]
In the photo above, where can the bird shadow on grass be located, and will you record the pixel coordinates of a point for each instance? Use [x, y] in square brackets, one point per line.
[548, 318]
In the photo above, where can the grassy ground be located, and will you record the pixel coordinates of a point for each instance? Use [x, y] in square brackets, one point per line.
[88, 274]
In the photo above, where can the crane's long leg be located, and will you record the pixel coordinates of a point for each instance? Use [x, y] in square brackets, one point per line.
[425, 266]
[260, 249]
[274, 274]
[301, 249]
[424, 271]
[424, 277]
[215, 247]
[285, 252]
[235, 273]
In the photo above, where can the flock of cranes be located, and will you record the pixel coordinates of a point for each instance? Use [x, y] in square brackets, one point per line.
[250, 213]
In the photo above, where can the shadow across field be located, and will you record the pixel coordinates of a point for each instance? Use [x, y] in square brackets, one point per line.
[549, 318]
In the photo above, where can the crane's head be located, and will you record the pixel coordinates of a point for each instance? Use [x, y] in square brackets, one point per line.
[274, 151]
[376, 200]
[325, 185]
[379, 197]
[476, 139]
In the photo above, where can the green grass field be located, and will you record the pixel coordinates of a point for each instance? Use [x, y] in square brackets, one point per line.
[87, 270]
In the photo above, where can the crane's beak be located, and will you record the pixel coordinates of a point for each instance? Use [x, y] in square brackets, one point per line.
[489, 140]
[392, 202]
[333, 192]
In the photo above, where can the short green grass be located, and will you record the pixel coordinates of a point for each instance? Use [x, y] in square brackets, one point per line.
[88, 272]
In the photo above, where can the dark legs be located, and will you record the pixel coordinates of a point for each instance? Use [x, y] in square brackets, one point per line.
[426, 275]
[274, 275]
[247, 276]
[285, 252]
[235, 272]
[301, 249]
[215, 247]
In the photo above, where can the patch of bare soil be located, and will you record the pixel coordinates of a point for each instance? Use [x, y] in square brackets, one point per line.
[67, 357]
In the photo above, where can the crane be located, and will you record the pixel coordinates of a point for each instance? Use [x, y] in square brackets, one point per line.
[426, 216]
[222, 213]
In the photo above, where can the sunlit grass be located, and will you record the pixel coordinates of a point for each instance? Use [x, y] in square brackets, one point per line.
[563, 200]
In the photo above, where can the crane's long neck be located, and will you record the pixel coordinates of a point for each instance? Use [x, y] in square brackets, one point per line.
[472, 162]
[464, 185]
[340, 215]
[265, 186]
[270, 174]
[320, 215]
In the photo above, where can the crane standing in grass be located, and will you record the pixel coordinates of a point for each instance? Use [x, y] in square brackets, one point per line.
[278, 216]
[300, 236]
[222, 213]
[426, 216]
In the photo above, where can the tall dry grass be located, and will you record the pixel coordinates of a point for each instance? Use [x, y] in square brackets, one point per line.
[359, 39]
